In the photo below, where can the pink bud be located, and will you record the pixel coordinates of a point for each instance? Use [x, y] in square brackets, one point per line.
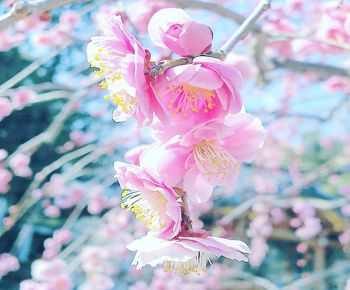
[5, 108]
[188, 37]
[52, 211]
[20, 165]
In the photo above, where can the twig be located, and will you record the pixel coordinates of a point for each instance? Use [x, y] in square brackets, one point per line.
[24, 8]
[246, 26]
[310, 280]
[313, 176]
[28, 70]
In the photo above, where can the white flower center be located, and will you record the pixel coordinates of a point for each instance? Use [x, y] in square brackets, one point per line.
[214, 161]
[196, 264]
[148, 207]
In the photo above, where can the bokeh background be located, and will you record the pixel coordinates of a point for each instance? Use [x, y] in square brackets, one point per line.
[61, 224]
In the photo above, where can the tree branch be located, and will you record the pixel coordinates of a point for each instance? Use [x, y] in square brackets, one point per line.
[246, 26]
[301, 66]
[24, 8]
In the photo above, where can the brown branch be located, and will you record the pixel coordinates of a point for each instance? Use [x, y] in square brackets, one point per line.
[24, 8]
[303, 66]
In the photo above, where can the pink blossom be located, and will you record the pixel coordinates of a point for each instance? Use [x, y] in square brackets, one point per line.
[207, 156]
[244, 64]
[197, 92]
[185, 254]
[52, 211]
[123, 62]
[160, 22]
[3, 155]
[311, 227]
[98, 281]
[33, 285]
[94, 259]
[133, 155]
[19, 164]
[150, 198]
[5, 178]
[46, 271]
[70, 18]
[62, 236]
[179, 33]
[5, 107]
[8, 263]
[21, 98]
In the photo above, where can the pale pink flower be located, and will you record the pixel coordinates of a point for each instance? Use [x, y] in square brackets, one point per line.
[70, 18]
[207, 156]
[5, 178]
[244, 64]
[150, 198]
[133, 155]
[97, 281]
[123, 62]
[94, 259]
[19, 164]
[33, 285]
[179, 33]
[5, 107]
[52, 211]
[310, 228]
[185, 254]
[46, 271]
[197, 92]
[21, 98]
[8, 263]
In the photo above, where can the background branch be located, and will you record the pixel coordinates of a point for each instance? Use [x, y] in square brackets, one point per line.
[24, 8]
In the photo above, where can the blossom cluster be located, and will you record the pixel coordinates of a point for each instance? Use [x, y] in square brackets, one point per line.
[201, 130]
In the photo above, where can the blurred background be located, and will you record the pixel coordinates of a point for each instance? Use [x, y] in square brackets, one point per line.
[61, 224]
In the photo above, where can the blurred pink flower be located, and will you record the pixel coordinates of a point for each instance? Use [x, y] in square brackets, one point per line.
[150, 198]
[244, 64]
[21, 98]
[140, 13]
[197, 92]
[45, 271]
[52, 211]
[207, 156]
[123, 62]
[133, 155]
[5, 178]
[8, 263]
[5, 106]
[19, 164]
[185, 254]
[94, 259]
[172, 28]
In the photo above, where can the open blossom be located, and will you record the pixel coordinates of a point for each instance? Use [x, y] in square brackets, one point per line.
[150, 199]
[19, 164]
[185, 254]
[197, 92]
[172, 28]
[207, 156]
[123, 62]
